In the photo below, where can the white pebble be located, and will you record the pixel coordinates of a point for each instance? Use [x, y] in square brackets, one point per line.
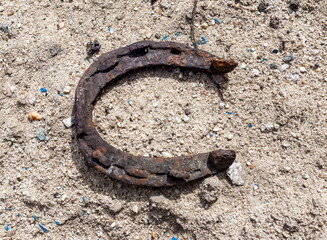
[12, 88]
[314, 51]
[186, 118]
[294, 77]
[230, 137]
[306, 176]
[180, 76]
[254, 54]
[32, 100]
[255, 73]
[19, 61]
[221, 105]
[243, 65]
[155, 104]
[166, 154]
[302, 69]
[66, 89]
[135, 209]
[61, 25]
[285, 144]
[269, 127]
[68, 122]
[284, 67]
[236, 174]
[216, 129]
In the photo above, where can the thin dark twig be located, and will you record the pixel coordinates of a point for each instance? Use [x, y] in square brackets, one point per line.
[192, 24]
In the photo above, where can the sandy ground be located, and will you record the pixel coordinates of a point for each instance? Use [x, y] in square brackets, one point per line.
[274, 116]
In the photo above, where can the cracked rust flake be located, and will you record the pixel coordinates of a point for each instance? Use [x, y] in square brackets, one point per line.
[124, 166]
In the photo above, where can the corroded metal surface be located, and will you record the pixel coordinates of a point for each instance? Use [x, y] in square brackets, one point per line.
[124, 166]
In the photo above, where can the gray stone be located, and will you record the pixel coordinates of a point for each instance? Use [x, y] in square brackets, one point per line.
[160, 202]
[68, 122]
[41, 134]
[288, 58]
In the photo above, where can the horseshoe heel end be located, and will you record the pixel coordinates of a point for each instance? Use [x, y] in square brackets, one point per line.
[220, 160]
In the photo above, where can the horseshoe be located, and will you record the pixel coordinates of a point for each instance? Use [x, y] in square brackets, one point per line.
[124, 166]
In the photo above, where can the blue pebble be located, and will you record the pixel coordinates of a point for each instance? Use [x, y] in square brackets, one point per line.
[43, 228]
[275, 51]
[7, 227]
[44, 90]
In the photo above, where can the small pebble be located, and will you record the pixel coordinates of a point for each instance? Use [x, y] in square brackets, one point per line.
[275, 51]
[166, 154]
[68, 122]
[155, 104]
[294, 5]
[306, 176]
[135, 209]
[204, 25]
[236, 174]
[274, 22]
[66, 90]
[221, 105]
[61, 25]
[32, 100]
[243, 66]
[314, 51]
[287, 169]
[230, 137]
[255, 73]
[288, 58]
[302, 69]
[285, 144]
[19, 61]
[12, 88]
[273, 66]
[186, 119]
[216, 129]
[187, 111]
[2, 8]
[41, 134]
[294, 77]
[284, 67]
[269, 127]
[34, 116]
[263, 7]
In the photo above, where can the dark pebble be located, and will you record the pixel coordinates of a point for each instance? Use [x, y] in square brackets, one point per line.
[294, 5]
[315, 66]
[263, 7]
[274, 22]
[273, 66]
[92, 47]
[187, 111]
[275, 51]
[55, 50]
[291, 227]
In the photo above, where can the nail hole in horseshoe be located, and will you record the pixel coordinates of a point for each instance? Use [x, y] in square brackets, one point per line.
[139, 52]
[175, 51]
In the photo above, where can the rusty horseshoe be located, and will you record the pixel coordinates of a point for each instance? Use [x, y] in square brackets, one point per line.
[124, 166]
